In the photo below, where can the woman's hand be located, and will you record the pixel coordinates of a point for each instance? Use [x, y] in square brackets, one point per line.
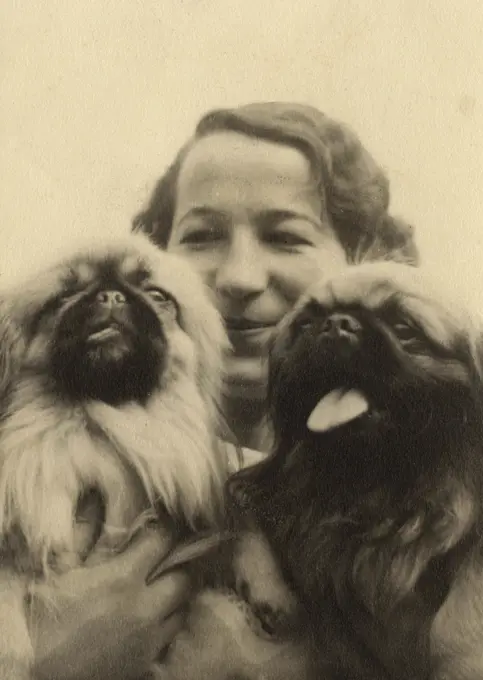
[102, 621]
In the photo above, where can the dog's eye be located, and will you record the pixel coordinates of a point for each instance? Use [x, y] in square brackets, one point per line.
[409, 336]
[304, 324]
[300, 325]
[57, 302]
[307, 317]
[158, 295]
[164, 301]
[66, 297]
[404, 331]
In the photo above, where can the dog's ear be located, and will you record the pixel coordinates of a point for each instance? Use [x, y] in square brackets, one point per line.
[472, 347]
[390, 239]
[384, 573]
[204, 325]
[476, 348]
[10, 350]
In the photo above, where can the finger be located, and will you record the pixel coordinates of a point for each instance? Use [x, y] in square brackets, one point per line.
[165, 596]
[170, 628]
[147, 548]
[162, 637]
[186, 552]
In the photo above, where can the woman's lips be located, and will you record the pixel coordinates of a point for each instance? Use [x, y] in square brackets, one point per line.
[246, 335]
[243, 325]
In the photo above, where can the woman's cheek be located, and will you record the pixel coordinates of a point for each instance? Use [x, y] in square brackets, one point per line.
[298, 272]
[204, 262]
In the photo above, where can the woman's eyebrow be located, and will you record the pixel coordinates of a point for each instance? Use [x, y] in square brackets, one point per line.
[205, 211]
[272, 216]
[266, 218]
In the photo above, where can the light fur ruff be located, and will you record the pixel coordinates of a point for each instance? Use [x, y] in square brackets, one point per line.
[135, 454]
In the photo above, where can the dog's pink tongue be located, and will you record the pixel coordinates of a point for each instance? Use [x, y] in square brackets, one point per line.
[337, 408]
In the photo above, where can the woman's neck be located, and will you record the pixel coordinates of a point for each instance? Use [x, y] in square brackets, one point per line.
[247, 421]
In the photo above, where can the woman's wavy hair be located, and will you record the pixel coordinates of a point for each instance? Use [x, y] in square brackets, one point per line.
[353, 186]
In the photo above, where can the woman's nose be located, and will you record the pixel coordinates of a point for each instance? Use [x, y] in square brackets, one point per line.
[242, 272]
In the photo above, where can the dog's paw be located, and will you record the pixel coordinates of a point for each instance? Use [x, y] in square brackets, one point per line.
[258, 582]
[274, 622]
[258, 576]
[267, 619]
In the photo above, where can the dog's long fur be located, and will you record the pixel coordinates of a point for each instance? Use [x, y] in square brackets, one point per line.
[155, 450]
[377, 523]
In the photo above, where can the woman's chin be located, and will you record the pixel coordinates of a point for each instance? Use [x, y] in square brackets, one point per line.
[246, 378]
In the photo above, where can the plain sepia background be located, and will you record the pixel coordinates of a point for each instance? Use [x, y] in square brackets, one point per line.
[96, 98]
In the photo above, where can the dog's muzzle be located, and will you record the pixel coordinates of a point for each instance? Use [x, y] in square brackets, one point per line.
[343, 327]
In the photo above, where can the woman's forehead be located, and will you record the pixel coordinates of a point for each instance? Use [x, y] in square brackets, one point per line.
[231, 154]
[230, 171]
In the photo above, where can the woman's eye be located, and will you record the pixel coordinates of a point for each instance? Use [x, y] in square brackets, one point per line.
[201, 236]
[288, 239]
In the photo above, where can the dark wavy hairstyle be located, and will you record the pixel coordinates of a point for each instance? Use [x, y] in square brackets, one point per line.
[353, 186]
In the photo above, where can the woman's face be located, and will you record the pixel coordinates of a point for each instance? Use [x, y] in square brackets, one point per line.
[250, 219]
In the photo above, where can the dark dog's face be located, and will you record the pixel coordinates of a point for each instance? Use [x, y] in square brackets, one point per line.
[115, 322]
[376, 477]
[371, 356]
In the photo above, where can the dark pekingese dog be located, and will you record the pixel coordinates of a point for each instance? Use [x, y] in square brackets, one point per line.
[371, 501]
[110, 362]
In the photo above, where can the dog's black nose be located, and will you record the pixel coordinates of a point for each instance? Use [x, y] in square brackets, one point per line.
[342, 325]
[110, 298]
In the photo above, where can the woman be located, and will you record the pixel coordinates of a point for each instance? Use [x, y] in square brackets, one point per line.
[262, 200]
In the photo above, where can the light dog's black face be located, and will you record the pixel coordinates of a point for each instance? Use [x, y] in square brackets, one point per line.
[108, 333]
[113, 323]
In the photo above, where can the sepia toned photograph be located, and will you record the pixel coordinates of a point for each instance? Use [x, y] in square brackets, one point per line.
[241, 340]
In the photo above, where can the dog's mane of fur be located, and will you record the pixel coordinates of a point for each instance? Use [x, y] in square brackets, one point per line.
[51, 451]
[72, 450]
[360, 563]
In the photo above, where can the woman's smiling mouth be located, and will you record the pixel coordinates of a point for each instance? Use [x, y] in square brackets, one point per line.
[248, 336]
[243, 325]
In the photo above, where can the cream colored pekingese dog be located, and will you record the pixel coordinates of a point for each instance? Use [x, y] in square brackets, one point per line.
[110, 374]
